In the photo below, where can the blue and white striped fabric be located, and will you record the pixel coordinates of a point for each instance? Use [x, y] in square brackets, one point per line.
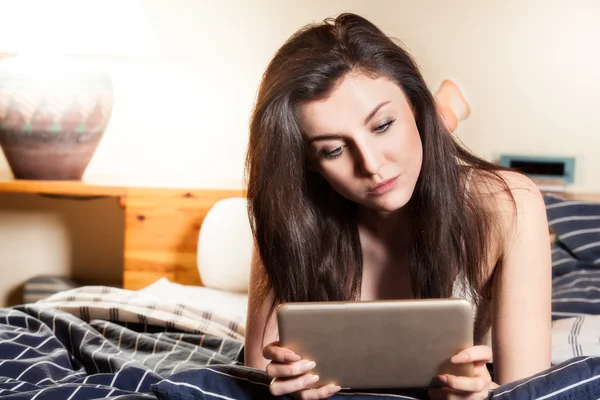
[577, 378]
[576, 225]
[575, 278]
[576, 293]
[575, 257]
[234, 382]
[50, 354]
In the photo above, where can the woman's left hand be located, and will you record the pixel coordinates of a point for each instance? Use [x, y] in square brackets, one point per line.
[462, 387]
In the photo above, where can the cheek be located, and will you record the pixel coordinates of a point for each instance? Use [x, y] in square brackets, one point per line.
[334, 176]
[417, 147]
[339, 175]
[412, 150]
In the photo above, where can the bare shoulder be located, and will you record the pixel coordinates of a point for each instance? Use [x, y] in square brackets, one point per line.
[520, 185]
[508, 193]
[515, 200]
[523, 192]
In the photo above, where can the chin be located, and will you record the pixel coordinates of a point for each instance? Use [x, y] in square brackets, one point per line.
[390, 202]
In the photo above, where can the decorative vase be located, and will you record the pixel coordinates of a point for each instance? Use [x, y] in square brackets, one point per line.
[53, 113]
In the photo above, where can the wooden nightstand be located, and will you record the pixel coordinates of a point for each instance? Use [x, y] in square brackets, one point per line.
[161, 224]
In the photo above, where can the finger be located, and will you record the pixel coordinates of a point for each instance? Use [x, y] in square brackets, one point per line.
[280, 387]
[464, 383]
[319, 393]
[273, 351]
[476, 354]
[288, 370]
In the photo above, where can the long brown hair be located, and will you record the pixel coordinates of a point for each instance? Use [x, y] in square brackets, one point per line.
[306, 233]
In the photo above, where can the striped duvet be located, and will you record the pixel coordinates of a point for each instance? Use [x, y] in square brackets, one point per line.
[575, 277]
[118, 345]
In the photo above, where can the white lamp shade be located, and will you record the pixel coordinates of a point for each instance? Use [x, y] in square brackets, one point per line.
[225, 246]
[107, 28]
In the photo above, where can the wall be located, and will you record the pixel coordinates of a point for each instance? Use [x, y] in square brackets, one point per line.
[188, 72]
[42, 235]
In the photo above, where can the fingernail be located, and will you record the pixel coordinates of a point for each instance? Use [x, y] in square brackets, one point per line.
[443, 378]
[334, 389]
[310, 379]
[308, 365]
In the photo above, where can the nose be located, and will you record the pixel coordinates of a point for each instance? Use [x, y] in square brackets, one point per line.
[370, 159]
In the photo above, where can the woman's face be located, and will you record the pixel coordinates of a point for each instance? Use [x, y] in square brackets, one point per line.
[364, 140]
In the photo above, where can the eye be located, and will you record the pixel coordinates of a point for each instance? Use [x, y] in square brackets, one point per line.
[384, 127]
[330, 155]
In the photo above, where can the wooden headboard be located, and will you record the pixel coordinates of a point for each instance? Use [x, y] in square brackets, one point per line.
[161, 233]
[595, 197]
[162, 227]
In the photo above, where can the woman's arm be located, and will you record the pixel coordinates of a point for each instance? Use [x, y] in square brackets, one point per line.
[522, 289]
[290, 372]
[258, 310]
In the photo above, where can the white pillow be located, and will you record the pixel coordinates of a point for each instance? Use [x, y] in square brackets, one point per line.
[225, 246]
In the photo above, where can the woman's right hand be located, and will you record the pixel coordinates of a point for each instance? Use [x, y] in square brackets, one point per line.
[291, 374]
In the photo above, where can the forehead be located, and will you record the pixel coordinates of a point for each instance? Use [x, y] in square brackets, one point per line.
[350, 101]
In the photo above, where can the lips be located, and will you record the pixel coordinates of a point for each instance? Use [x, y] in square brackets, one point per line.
[384, 186]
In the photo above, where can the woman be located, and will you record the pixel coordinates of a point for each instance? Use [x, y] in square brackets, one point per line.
[357, 192]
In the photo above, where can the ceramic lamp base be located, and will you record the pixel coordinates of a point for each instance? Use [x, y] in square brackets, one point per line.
[48, 155]
[53, 113]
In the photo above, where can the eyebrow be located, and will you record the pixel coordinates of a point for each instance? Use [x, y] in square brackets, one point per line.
[367, 119]
[372, 113]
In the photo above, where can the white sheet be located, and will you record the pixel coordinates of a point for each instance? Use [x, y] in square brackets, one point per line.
[574, 337]
[121, 305]
[221, 302]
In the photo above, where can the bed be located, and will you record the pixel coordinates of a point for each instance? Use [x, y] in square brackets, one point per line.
[176, 328]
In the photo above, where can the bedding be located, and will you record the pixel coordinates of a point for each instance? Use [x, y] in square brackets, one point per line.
[575, 277]
[221, 302]
[100, 342]
[107, 303]
[48, 353]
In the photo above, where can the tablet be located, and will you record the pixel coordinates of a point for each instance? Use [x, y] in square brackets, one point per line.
[379, 344]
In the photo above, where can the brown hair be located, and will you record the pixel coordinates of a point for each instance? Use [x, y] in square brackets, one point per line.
[306, 233]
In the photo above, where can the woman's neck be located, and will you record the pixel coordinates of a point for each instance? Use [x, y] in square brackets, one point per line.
[385, 225]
